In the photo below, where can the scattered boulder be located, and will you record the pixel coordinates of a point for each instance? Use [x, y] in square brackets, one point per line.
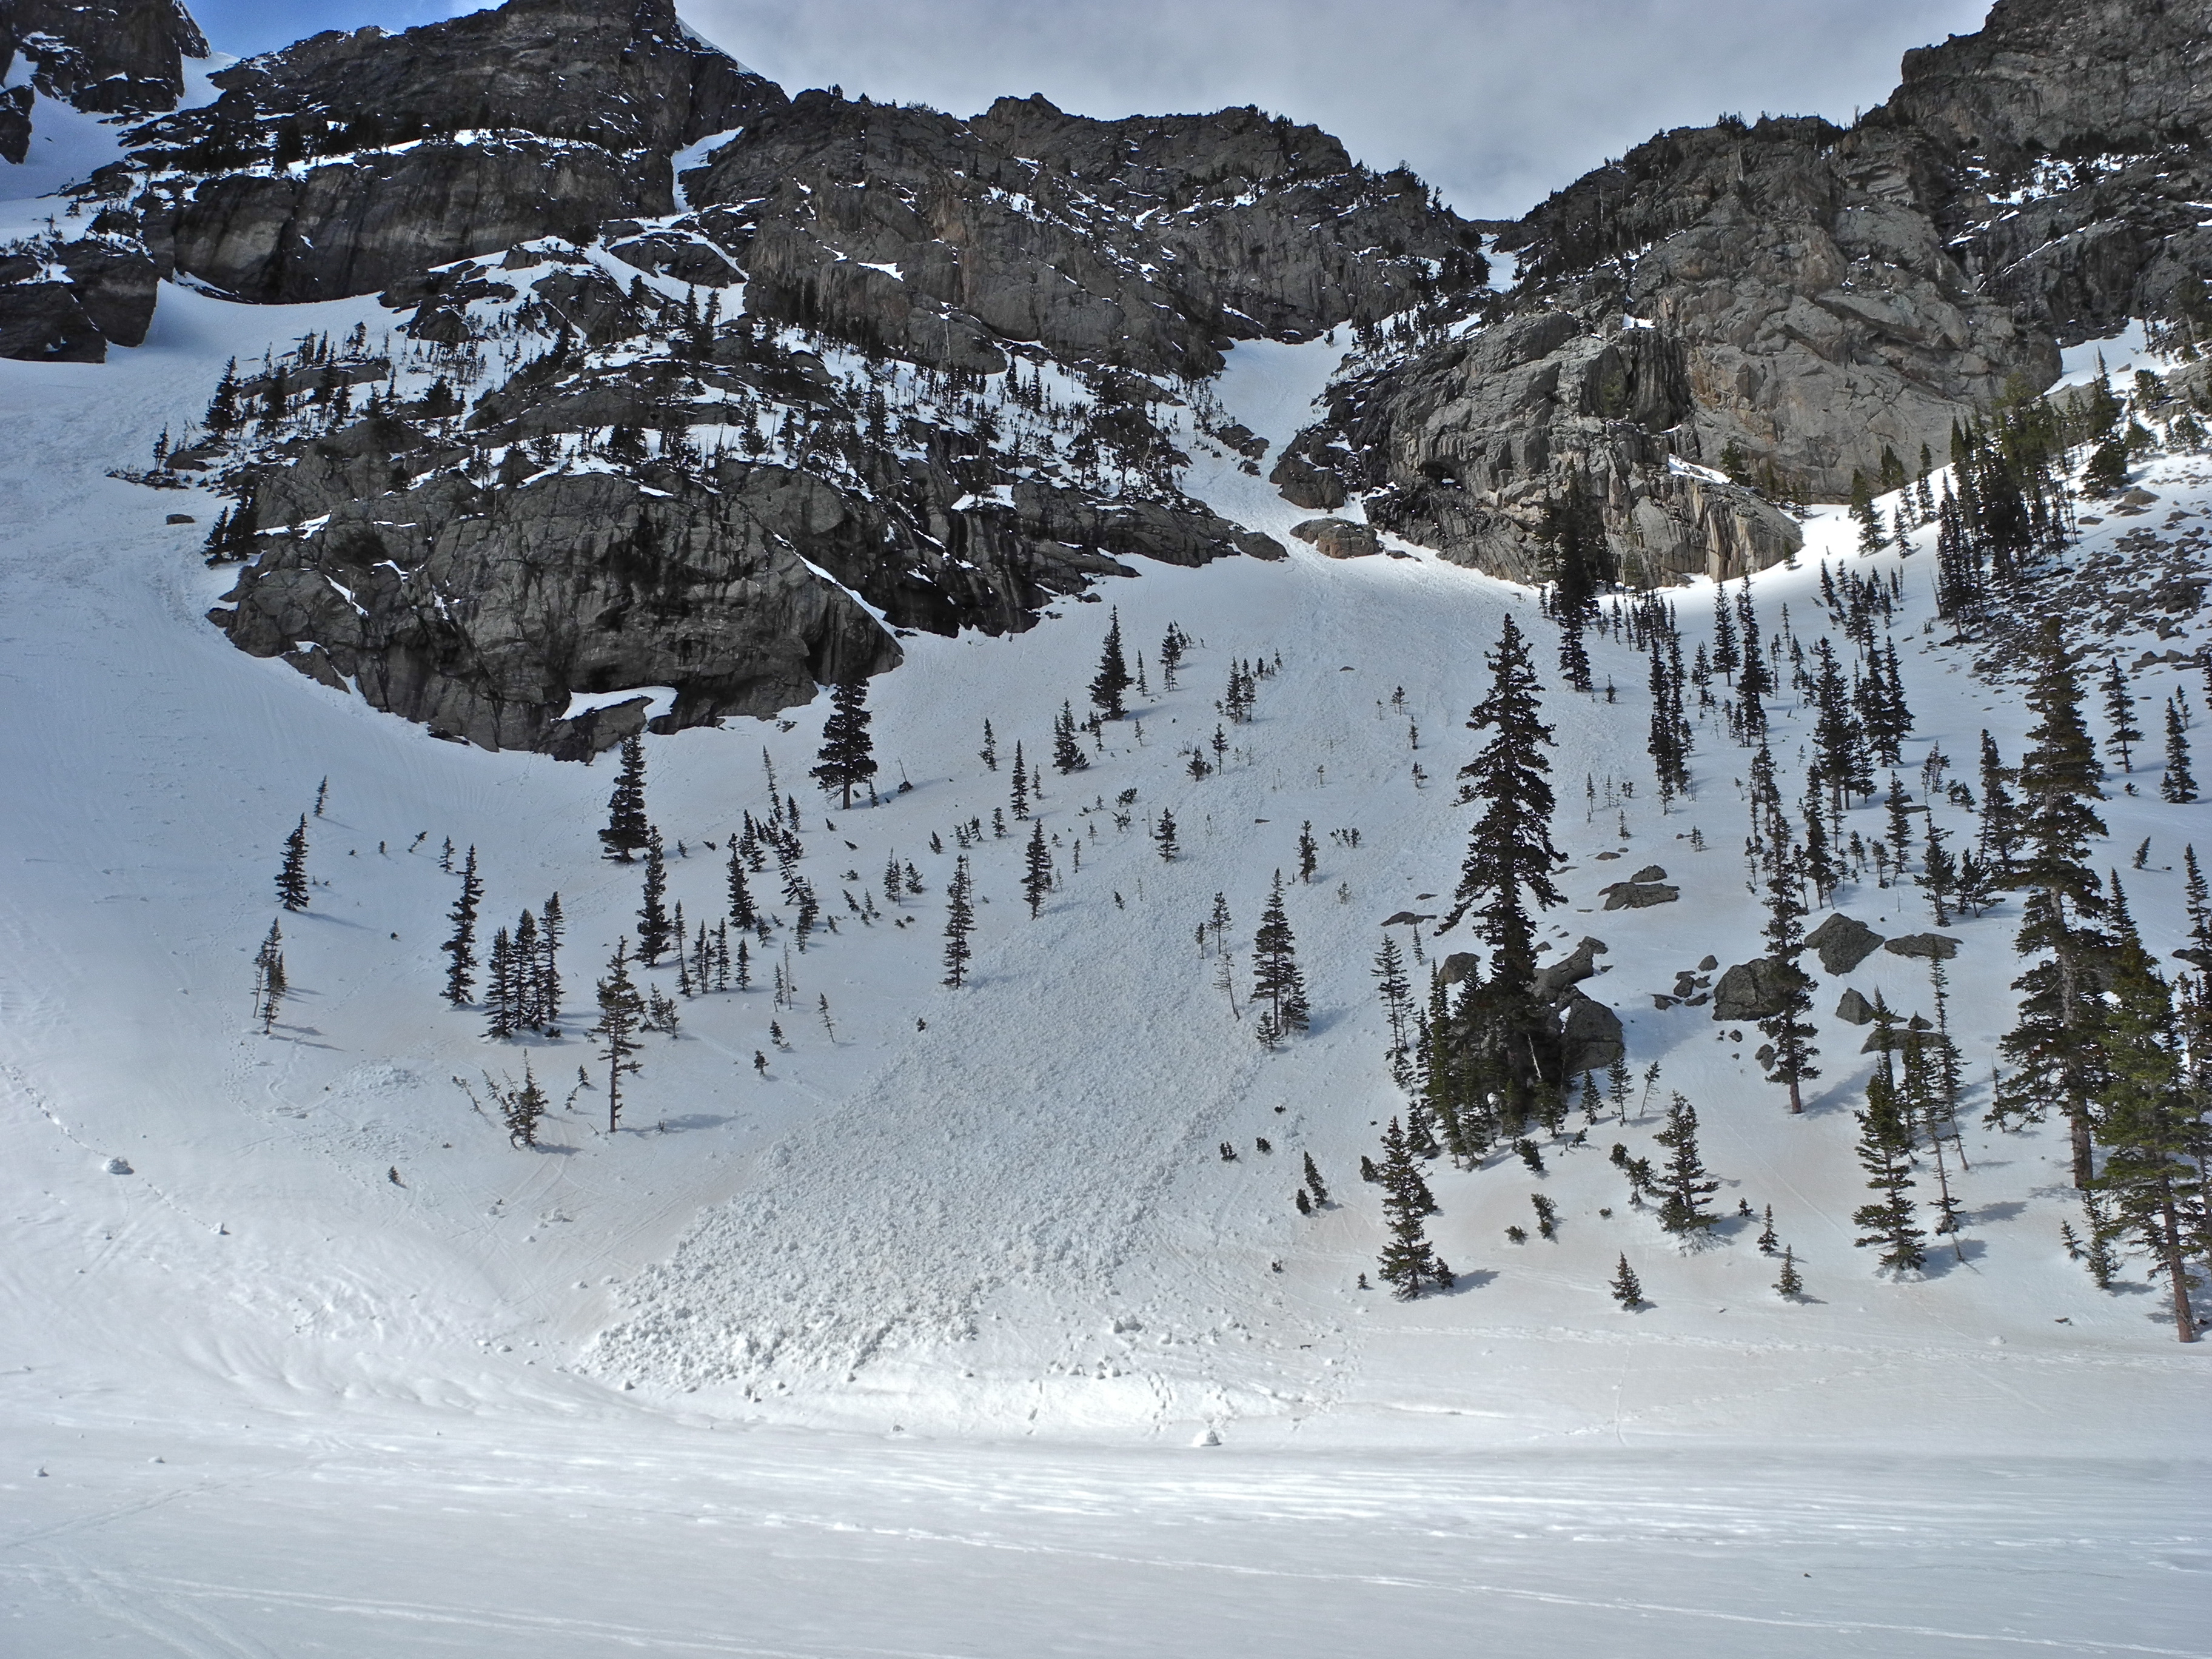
[1569, 970]
[1638, 895]
[1708, 964]
[1842, 943]
[1936, 947]
[1649, 873]
[1854, 1009]
[1590, 1037]
[1405, 917]
[1755, 989]
[1338, 538]
[1459, 966]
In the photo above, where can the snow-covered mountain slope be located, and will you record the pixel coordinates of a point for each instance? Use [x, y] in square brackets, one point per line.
[416, 1389]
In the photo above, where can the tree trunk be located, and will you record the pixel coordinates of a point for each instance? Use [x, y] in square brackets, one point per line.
[2177, 1269]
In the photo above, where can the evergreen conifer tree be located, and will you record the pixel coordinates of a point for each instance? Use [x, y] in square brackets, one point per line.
[1686, 1184]
[521, 1109]
[847, 758]
[2052, 1047]
[1037, 871]
[1111, 683]
[1627, 1288]
[988, 754]
[627, 832]
[1067, 754]
[2000, 833]
[1789, 1283]
[292, 875]
[270, 984]
[1885, 1152]
[1397, 1007]
[2152, 1132]
[1314, 1183]
[1408, 1261]
[1788, 1028]
[959, 923]
[1163, 837]
[2178, 785]
[654, 927]
[1275, 976]
[622, 1012]
[1509, 864]
[461, 946]
[500, 1018]
[2120, 715]
[550, 931]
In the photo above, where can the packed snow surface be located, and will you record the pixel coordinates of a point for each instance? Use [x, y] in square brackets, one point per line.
[954, 1333]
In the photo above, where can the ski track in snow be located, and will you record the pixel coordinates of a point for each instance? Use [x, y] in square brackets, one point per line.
[916, 1330]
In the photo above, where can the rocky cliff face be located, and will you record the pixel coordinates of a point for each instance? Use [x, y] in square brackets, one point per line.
[883, 361]
[107, 57]
[1816, 297]
[351, 160]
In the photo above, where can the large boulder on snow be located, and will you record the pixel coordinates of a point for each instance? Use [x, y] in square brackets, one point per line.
[1569, 970]
[1590, 1036]
[1755, 989]
[1843, 943]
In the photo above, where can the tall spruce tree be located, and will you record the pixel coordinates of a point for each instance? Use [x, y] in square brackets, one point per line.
[292, 875]
[2153, 1134]
[2120, 715]
[1788, 1028]
[846, 759]
[2053, 1047]
[959, 923]
[269, 983]
[1275, 976]
[1037, 871]
[627, 832]
[2178, 785]
[1885, 1152]
[1509, 864]
[460, 946]
[1409, 1263]
[1395, 989]
[1686, 1184]
[653, 927]
[622, 1013]
[1111, 683]
[550, 928]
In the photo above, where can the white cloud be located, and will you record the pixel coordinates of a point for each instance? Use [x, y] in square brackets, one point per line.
[1495, 101]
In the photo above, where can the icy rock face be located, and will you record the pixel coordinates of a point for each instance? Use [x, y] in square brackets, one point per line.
[108, 57]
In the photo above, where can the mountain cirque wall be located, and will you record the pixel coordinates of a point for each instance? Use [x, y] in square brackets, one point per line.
[1787, 300]
[938, 372]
